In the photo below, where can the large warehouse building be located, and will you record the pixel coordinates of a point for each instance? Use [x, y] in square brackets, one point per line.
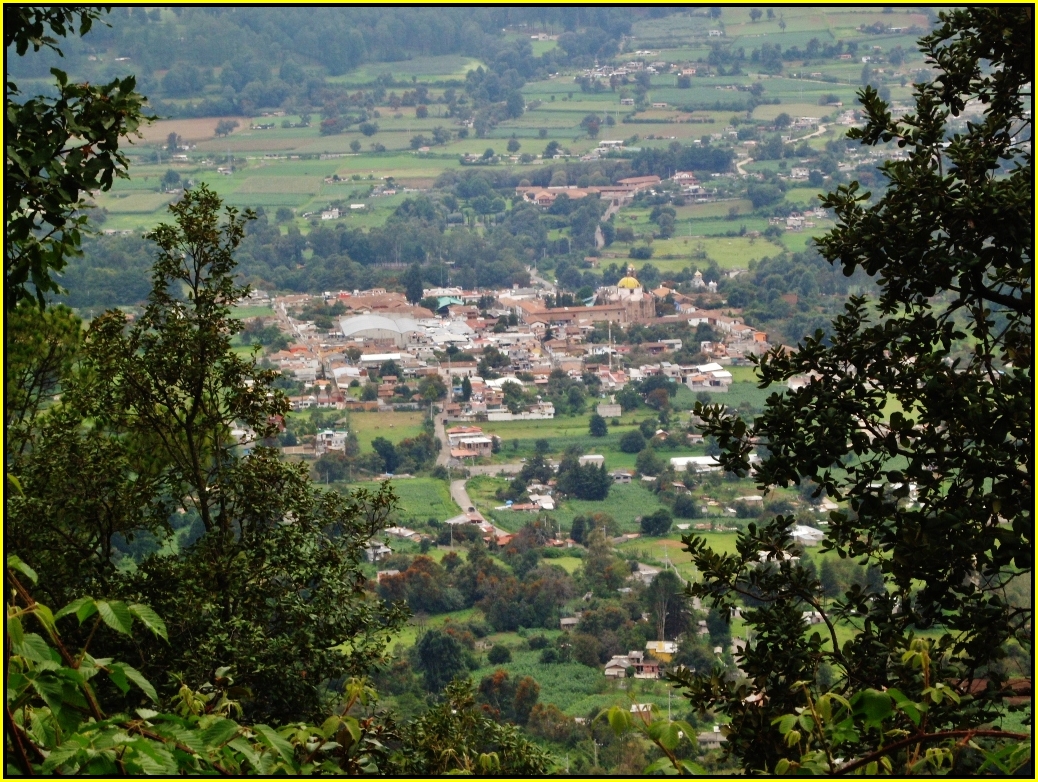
[398, 330]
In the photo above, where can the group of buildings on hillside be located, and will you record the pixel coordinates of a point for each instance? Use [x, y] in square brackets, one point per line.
[380, 327]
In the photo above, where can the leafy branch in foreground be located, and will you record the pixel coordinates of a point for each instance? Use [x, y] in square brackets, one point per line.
[56, 724]
[56, 149]
[918, 415]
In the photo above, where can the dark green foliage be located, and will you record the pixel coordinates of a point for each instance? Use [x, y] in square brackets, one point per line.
[499, 654]
[55, 150]
[685, 507]
[632, 442]
[597, 426]
[585, 482]
[458, 736]
[950, 246]
[648, 463]
[440, 658]
[657, 523]
[387, 452]
[412, 281]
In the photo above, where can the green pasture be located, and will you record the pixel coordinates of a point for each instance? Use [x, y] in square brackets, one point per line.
[422, 498]
[394, 426]
[252, 311]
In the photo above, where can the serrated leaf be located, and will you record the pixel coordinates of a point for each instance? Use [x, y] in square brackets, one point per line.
[137, 678]
[243, 747]
[619, 720]
[14, 630]
[34, 648]
[670, 736]
[275, 741]
[118, 677]
[14, 562]
[220, 732]
[150, 619]
[82, 607]
[116, 615]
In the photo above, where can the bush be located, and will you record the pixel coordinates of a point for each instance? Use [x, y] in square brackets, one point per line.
[641, 253]
[499, 654]
[537, 642]
[657, 523]
[685, 507]
[632, 442]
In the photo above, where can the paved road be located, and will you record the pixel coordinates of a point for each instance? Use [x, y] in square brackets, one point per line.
[460, 496]
[444, 456]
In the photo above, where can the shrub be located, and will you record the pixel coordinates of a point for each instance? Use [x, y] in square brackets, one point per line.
[499, 654]
[632, 442]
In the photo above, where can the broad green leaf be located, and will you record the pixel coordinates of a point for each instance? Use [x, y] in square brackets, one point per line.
[220, 732]
[150, 619]
[14, 630]
[619, 720]
[243, 747]
[137, 678]
[692, 767]
[875, 705]
[670, 736]
[34, 648]
[153, 758]
[910, 709]
[272, 739]
[14, 562]
[82, 607]
[116, 615]
[661, 766]
[118, 677]
[17, 483]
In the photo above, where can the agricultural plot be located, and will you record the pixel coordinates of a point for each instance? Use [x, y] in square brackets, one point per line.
[423, 498]
[134, 202]
[445, 67]
[395, 426]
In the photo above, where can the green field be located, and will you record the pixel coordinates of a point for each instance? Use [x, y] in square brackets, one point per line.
[395, 426]
[423, 498]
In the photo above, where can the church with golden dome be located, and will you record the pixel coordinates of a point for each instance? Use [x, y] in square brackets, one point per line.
[639, 304]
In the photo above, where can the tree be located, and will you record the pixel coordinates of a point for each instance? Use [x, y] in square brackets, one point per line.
[666, 599]
[368, 128]
[648, 463]
[456, 736]
[412, 281]
[355, 146]
[432, 388]
[632, 442]
[597, 426]
[755, 14]
[170, 180]
[387, 451]
[466, 389]
[657, 523]
[421, 111]
[949, 247]
[226, 126]
[685, 507]
[513, 145]
[56, 149]
[440, 658]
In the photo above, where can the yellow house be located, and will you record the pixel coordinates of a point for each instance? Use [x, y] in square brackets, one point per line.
[662, 650]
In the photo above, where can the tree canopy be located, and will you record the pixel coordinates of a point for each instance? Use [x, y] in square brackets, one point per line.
[919, 415]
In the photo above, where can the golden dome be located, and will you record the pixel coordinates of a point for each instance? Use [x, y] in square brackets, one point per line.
[629, 281]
